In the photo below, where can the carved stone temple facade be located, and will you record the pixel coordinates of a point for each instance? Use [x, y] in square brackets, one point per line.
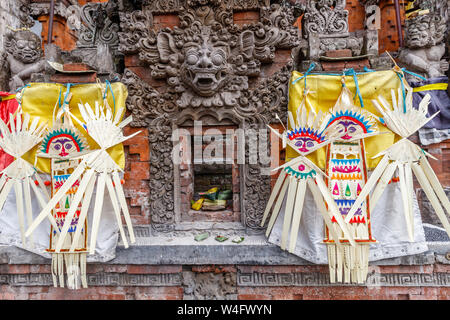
[227, 65]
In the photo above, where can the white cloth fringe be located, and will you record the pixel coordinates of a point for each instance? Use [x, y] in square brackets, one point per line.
[75, 266]
[348, 264]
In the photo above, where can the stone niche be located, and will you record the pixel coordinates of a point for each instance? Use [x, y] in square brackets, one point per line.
[214, 62]
[209, 160]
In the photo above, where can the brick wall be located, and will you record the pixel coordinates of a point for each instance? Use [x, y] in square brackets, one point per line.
[137, 175]
[168, 282]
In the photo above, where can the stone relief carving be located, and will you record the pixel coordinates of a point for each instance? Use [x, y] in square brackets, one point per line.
[23, 58]
[24, 13]
[96, 27]
[209, 286]
[371, 25]
[424, 41]
[207, 63]
[325, 26]
[326, 18]
[97, 42]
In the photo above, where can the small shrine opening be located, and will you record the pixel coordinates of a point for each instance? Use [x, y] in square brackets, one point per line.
[210, 180]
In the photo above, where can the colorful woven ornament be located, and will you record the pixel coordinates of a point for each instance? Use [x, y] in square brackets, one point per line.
[407, 157]
[347, 161]
[96, 166]
[306, 135]
[16, 140]
[64, 145]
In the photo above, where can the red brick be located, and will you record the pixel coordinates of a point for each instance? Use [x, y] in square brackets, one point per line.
[19, 269]
[388, 34]
[138, 144]
[283, 269]
[442, 268]
[153, 269]
[245, 17]
[76, 67]
[159, 293]
[253, 297]
[340, 65]
[74, 78]
[140, 170]
[405, 269]
[166, 21]
[356, 15]
[40, 268]
[343, 53]
[133, 61]
[214, 268]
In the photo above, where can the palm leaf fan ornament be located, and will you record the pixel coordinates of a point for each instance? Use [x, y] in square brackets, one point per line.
[96, 167]
[347, 171]
[308, 133]
[403, 119]
[63, 145]
[22, 135]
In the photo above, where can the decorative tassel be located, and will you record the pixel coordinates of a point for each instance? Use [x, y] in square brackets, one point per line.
[60, 259]
[332, 261]
[83, 269]
[339, 262]
[55, 269]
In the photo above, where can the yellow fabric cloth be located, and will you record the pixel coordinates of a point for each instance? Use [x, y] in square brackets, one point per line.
[324, 91]
[433, 86]
[10, 97]
[39, 100]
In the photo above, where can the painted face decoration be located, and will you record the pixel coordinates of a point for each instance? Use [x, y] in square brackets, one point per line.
[349, 129]
[62, 143]
[350, 124]
[304, 144]
[63, 146]
[305, 139]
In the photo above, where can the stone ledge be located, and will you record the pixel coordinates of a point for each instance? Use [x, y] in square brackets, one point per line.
[183, 251]
[180, 248]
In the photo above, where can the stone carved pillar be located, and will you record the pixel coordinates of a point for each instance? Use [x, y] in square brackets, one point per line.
[372, 25]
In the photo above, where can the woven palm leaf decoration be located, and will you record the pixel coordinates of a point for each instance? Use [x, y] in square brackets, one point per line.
[347, 172]
[307, 134]
[96, 167]
[64, 145]
[403, 119]
[21, 136]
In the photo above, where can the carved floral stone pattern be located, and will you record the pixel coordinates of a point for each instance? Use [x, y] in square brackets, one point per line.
[325, 26]
[206, 63]
[326, 17]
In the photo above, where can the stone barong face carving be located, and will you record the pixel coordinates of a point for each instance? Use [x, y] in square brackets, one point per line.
[207, 63]
[24, 57]
[424, 40]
